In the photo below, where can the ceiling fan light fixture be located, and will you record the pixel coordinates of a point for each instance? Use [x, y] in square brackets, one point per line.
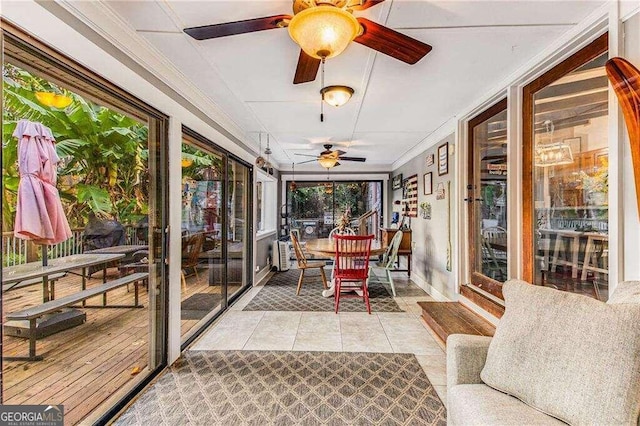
[336, 95]
[323, 31]
[327, 162]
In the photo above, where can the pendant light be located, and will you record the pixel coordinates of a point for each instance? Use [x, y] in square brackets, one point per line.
[293, 185]
[52, 99]
[260, 161]
[552, 153]
[268, 152]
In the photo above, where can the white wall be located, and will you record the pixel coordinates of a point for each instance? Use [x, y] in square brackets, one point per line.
[430, 237]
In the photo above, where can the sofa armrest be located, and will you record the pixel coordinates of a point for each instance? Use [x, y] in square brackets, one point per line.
[466, 355]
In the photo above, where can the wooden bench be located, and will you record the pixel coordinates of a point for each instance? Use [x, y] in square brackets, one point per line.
[26, 283]
[35, 312]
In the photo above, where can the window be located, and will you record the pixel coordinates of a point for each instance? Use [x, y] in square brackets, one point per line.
[315, 207]
[566, 175]
[266, 204]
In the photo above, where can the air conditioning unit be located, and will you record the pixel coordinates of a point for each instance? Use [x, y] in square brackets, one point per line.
[280, 256]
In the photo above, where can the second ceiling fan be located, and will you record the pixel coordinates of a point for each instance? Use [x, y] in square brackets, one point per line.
[329, 158]
[323, 29]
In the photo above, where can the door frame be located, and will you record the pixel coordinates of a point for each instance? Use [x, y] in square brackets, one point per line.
[596, 48]
[487, 284]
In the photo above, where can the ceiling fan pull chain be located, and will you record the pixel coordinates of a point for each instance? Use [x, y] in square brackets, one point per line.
[322, 97]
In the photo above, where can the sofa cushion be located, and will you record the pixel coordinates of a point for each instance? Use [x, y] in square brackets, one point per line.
[481, 405]
[626, 292]
[571, 356]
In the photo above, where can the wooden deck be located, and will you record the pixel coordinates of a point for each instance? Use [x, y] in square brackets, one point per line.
[87, 364]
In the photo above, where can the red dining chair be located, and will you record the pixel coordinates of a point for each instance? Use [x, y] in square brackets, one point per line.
[352, 266]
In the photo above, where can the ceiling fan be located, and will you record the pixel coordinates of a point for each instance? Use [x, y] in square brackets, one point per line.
[323, 29]
[329, 158]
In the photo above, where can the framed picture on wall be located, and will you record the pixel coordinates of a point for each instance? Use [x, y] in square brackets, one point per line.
[396, 183]
[430, 160]
[443, 159]
[428, 183]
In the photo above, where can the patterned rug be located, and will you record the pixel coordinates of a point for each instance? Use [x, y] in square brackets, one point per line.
[199, 305]
[287, 388]
[279, 294]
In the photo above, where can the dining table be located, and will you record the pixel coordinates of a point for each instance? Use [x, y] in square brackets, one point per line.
[326, 247]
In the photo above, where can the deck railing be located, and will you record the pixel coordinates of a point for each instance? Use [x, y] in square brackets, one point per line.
[16, 251]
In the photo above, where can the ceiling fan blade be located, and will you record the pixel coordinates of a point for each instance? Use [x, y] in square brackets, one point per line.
[364, 4]
[340, 152]
[306, 155]
[360, 159]
[337, 164]
[304, 162]
[307, 68]
[239, 27]
[392, 43]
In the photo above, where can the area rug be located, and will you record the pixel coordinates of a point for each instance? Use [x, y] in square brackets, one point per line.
[279, 294]
[287, 388]
[198, 306]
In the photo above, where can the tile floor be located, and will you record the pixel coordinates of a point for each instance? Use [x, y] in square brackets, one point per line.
[325, 331]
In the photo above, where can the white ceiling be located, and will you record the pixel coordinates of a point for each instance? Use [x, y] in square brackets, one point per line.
[476, 44]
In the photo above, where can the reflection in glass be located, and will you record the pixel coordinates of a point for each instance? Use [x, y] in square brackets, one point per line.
[237, 226]
[202, 267]
[490, 205]
[571, 181]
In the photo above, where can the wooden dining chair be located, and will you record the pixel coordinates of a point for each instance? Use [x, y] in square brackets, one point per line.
[343, 231]
[191, 249]
[304, 264]
[352, 267]
[390, 258]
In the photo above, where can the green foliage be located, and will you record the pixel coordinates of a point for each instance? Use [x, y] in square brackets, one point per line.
[311, 202]
[10, 259]
[104, 156]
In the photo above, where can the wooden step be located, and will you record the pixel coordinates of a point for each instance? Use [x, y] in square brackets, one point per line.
[446, 318]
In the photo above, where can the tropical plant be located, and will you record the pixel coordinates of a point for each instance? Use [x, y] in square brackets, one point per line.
[104, 156]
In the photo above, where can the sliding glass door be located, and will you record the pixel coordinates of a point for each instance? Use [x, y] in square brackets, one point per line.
[99, 330]
[238, 227]
[216, 231]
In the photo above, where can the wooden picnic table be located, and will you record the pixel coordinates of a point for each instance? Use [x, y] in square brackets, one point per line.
[31, 270]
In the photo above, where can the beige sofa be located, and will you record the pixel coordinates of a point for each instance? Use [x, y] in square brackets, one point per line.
[556, 358]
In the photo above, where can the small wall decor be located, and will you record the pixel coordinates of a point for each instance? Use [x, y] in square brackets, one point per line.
[440, 192]
[396, 182]
[430, 159]
[443, 159]
[410, 196]
[428, 183]
[425, 210]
